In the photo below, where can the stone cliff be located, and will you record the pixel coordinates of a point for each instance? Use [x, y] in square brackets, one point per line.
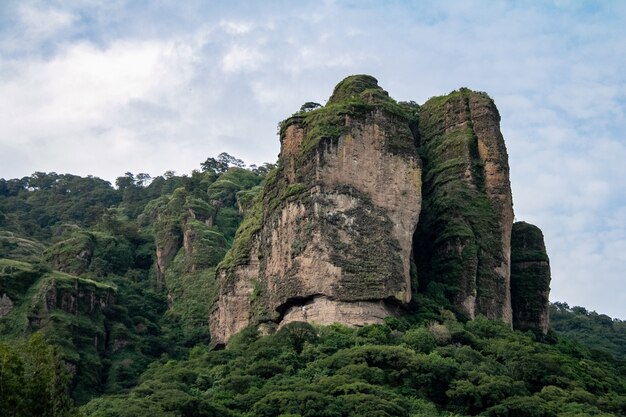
[331, 237]
[530, 278]
[463, 244]
[372, 201]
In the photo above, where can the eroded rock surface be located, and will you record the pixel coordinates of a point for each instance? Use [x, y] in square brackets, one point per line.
[322, 310]
[334, 232]
[365, 189]
[6, 305]
[530, 278]
[463, 244]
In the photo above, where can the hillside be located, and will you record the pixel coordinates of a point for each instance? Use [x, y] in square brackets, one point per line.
[375, 270]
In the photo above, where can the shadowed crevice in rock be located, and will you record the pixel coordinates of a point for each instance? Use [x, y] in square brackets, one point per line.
[371, 201]
[336, 218]
[462, 245]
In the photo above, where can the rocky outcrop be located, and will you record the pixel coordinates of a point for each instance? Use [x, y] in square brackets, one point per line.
[95, 253]
[72, 295]
[16, 277]
[322, 310]
[463, 243]
[332, 235]
[530, 278]
[6, 305]
[166, 250]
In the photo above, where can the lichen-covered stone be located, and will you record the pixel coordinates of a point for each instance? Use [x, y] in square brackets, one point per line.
[462, 246]
[530, 278]
[334, 234]
[335, 221]
[6, 305]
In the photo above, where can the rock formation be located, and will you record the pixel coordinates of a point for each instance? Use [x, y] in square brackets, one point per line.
[334, 235]
[464, 237]
[331, 237]
[530, 278]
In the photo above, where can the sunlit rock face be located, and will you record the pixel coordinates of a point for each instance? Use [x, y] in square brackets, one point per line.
[333, 240]
[372, 201]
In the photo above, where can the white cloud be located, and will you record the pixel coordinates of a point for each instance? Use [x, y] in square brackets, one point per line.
[86, 85]
[35, 24]
[242, 58]
[102, 96]
[236, 27]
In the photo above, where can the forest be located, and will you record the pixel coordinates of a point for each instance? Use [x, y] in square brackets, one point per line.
[104, 298]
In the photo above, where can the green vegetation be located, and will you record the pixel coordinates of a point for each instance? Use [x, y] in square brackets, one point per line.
[13, 246]
[439, 368]
[598, 332]
[527, 240]
[34, 381]
[193, 230]
[105, 294]
[457, 244]
[355, 97]
[352, 86]
[33, 206]
[85, 278]
[105, 331]
[530, 277]
[240, 251]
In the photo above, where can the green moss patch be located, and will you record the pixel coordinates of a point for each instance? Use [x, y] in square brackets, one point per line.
[458, 239]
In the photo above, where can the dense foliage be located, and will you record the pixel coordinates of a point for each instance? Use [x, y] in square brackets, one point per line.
[438, 368]
[34, 381]
[598, 332]
[77, 265]
[104, 295]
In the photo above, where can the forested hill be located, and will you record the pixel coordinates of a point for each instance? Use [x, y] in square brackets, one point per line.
[104, 300]
[78, 257]
[596, 331]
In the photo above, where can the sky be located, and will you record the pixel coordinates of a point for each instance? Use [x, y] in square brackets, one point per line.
[105, 87]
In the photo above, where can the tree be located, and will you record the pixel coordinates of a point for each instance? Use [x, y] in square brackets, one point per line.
[143, 179]
[127, 181]
[34, 380]
[263, 169]
[11, 381]
[230, 160]
[310, 106]
[214, 166]
[221, 164]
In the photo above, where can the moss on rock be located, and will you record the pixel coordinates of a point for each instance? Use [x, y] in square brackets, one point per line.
[458, 241]
[530, 278]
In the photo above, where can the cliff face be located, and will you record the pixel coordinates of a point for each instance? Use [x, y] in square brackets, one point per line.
[530, 278]
[331, 237]
[191, 232]
[340, 222]
[72, 295]
[463, 243]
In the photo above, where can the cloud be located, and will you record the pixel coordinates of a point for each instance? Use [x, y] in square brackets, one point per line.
[86, 86]
[236, 27]
[34, 25]
[240, 58]
[99, 88]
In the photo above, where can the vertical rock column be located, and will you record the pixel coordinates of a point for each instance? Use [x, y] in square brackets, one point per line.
[530, 278]
[331, 237]
[462, 247]
[492, 154]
